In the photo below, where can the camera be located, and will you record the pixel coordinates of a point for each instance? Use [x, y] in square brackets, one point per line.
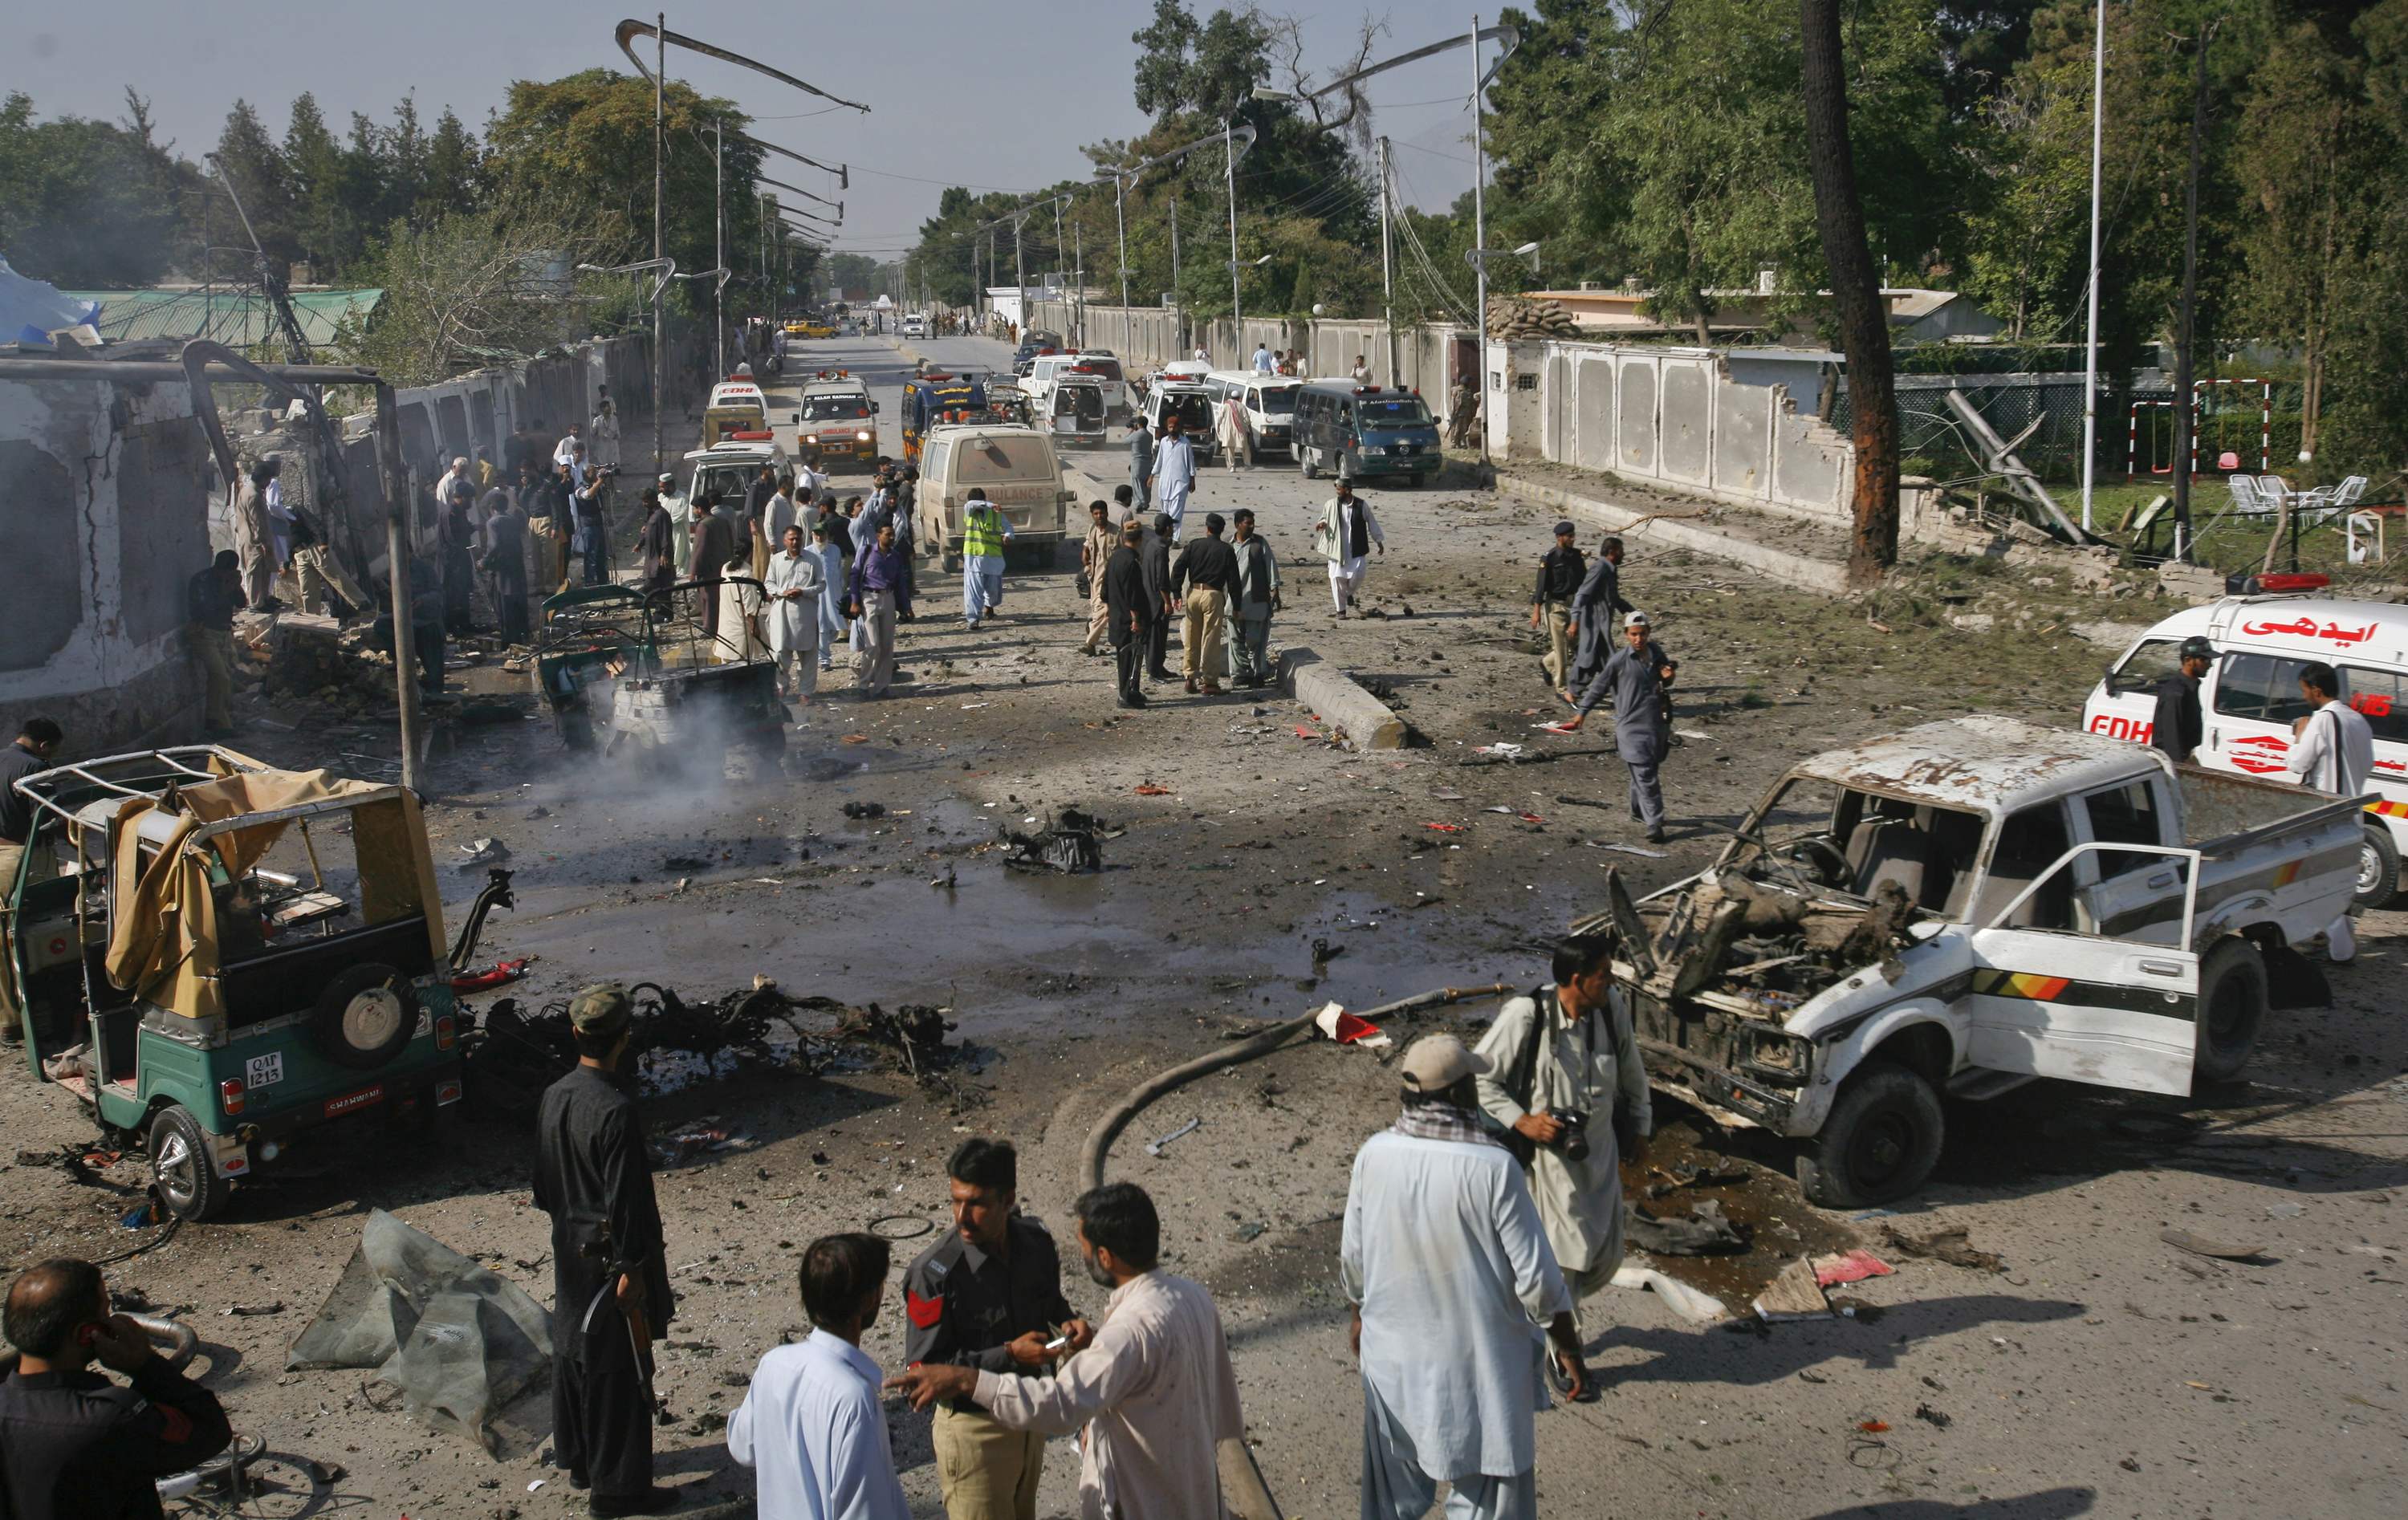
[1572, 1140]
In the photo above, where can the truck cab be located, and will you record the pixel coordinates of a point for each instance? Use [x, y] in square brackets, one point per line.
[1962, 907]
[219, 960]
[1015, 465]
[2251, 694]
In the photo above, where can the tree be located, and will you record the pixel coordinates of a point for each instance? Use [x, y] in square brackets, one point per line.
[89, 205]
[263, 181]
[465, 288]
[1855, 292]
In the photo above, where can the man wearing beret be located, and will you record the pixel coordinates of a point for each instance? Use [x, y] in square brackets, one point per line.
[1561, 570]
[610, 1280]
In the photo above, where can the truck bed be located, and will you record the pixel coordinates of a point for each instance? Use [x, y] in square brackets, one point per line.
[2221, 809]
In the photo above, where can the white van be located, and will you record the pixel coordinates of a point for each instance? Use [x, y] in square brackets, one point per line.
[1099, 367]
[1017, 468]
[2252, 693]
[1269, 401]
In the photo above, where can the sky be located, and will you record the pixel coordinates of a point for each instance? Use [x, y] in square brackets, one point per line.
[990, 96]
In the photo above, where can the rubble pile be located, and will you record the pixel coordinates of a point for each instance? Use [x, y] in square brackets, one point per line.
[1520, 318]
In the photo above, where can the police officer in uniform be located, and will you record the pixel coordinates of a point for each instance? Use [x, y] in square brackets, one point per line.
[988, 1295]
[609, 1277]
[1562, 571]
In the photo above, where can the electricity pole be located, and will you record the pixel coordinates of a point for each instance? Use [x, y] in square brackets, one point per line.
[1081, 233]
[1855, 292]
[1120, 219]
[1480, 235]
[2090, 347]
[1387, 269]
[719, 235]
[2185, 392]
[1236, 314]
[660, 189]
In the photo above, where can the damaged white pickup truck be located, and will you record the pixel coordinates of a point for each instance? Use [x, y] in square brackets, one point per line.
[1961, 908]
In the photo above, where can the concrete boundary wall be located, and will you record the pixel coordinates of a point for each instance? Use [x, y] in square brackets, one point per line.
[1671, 417]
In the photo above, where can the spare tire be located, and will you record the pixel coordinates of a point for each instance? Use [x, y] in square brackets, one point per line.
[365, 1016]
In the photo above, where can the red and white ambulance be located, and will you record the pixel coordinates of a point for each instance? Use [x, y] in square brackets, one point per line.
[2252, 693]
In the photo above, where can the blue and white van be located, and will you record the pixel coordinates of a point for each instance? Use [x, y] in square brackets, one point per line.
[1364, 431]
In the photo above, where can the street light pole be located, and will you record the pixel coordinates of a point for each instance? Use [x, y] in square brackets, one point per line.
[1387, 270]
[719, 234]
[1237, 313]
[1080, 307]
[660, 189]
[1480, 234]
[1120, 219]
[2090, 345]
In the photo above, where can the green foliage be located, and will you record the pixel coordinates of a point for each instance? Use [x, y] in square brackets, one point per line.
[465, 287]
[87, 204]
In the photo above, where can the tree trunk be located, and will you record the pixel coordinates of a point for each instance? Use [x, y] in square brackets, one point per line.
[1855, 292]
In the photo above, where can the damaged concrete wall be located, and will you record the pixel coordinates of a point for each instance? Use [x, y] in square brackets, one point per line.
[1670, 416]
[108, 515]
[113, 502]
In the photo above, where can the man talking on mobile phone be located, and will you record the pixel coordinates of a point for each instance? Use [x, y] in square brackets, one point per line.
[72, 1444]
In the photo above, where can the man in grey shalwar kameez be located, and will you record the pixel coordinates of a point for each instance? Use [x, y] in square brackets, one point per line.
[1588, 1064]
[1594, 606]
[1636, 675]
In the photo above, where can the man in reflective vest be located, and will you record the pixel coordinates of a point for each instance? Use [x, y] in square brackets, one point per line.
[984, 532]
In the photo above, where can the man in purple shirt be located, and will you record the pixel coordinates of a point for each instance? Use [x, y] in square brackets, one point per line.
[881, 589]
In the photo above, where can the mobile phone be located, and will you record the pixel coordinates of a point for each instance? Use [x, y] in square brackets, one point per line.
[1057, 1343]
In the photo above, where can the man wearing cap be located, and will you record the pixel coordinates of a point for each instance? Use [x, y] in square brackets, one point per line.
[2179, 724]
[1451, 1275]
[1561, 571]
[1344, 534]
[1155, 561]
[1131, 608]
[609, 1277]
[1638, 677]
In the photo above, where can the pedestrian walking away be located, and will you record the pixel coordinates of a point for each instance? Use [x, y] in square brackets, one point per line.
[2332, 749]
[1229, 428]
[1638, 678]
[1174, 473]
[1154, 1392]
[1133, 610]
[1594, 607]
[880, 595]
[1141, 463]
[790, 616]
[254, 538]
[456, 537]
[2179, 724]
[505, 561]
[1345, 535]
[1102, 541]
[210, 598]
[1561, 572]
[610, 1281]
[714, 545]
[1157, 584]
[1263, 364]
[1202, 581]
[1565, 1081]
[988, 1297]
[1446, 1261]
[812, 1425]
[984, 533]
[1256, 598]
[72, 1444]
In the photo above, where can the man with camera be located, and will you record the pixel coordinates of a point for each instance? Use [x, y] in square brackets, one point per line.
[1565, 1081]
[73, 1444]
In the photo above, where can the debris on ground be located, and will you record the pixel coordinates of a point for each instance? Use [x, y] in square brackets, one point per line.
[1694, 1305]
[1347, 1029]
[1946, 1245]
[1154, 1146]
[459, 1342]
[865, 810]
[1793, 1296]
[1849, 1267]
[482, 852]
[500, 974]
[1069, 847]
[1705, 1232]
[2200, 1245]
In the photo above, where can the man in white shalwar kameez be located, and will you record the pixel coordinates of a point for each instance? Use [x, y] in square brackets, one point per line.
[739, 611]
[2332, 749]
[1451, 1274]
[1587, 1063]
[790, 616]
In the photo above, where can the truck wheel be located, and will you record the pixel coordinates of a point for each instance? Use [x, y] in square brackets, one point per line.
[364, 1017]
[2231, 1010]
[1881, 1141]
[2378, 868]
[181, 1167]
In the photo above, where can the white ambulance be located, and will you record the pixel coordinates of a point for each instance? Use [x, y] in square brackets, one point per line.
[2252, 693]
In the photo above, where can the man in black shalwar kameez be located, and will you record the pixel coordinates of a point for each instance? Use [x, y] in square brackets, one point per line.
[609, 1277]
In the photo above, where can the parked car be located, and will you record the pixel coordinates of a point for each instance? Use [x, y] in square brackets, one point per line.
[226, 963]
[2252, 693]
[1962, 907]
[1269, 402]
[1364, 430]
